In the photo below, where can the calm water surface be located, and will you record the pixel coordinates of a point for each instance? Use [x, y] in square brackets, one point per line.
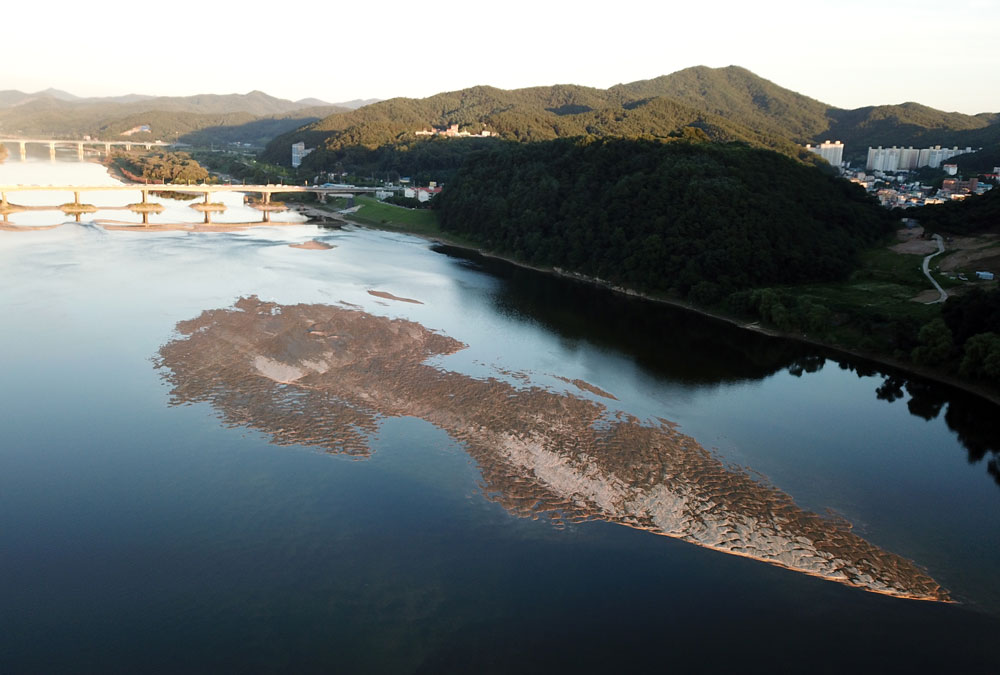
[136, 535]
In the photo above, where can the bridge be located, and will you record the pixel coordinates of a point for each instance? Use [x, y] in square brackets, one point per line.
[145, 206]
[79, 143]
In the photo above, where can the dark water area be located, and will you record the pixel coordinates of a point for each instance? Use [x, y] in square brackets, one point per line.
[144, 532]
[689, 348]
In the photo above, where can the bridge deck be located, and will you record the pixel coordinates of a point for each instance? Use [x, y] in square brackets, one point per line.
[77, 141]
[198, 189]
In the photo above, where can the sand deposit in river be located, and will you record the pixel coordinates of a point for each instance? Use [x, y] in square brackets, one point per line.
[324, 375]
[313, 245]
[390, 296]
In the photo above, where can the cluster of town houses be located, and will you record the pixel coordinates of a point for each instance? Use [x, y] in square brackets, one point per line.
[888, 171]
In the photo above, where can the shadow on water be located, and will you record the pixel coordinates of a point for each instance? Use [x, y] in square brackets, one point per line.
[700, 351]
[682, 346]
[974, 420]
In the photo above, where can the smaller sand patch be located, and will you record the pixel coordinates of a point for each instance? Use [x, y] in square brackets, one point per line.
[390, 296]
[313, 245]
[587, 386]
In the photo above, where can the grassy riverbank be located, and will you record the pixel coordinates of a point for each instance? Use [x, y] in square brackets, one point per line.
[378, 214]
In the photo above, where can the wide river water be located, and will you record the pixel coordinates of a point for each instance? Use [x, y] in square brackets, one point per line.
[219, 452]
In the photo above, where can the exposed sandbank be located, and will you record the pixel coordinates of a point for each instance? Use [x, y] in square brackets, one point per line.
[390, 296]
[325, 375]
[586, 386]
[313, 245]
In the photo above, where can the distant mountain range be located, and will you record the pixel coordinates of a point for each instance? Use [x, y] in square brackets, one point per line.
[720, 104]
[724, 104]
[254, 117]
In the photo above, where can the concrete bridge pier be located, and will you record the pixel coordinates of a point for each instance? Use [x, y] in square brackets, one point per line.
[79, 151]
[24, 150]
[128, 146]
[107, 149]
[52, 150]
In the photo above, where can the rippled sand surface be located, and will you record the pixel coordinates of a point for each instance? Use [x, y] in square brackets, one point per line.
[324, 375]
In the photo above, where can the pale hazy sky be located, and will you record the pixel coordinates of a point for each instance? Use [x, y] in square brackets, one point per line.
[847, 53]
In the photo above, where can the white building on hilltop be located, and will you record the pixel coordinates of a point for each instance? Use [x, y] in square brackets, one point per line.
[831, 152]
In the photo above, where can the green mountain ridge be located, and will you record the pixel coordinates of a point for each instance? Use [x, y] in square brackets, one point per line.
[726, 104]
[253, 118]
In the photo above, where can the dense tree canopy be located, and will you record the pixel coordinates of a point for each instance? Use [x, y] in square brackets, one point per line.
[978, 213]
[161, 167]
[702, 220]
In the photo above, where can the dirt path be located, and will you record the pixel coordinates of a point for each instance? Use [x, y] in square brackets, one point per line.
[927, 270]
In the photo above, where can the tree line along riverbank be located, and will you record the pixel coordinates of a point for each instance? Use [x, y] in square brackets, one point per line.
[741, 234]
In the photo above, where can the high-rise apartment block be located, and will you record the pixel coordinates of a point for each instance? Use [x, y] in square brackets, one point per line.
[299, 151]
[907, 159]
[831, 152]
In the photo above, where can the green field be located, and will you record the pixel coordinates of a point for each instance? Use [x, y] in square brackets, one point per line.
[378, 214]
[885, 284]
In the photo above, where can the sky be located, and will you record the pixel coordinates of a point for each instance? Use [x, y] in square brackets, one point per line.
[848, 53]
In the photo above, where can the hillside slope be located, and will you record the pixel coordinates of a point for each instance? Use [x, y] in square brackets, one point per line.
[247, 118]
[726, 104]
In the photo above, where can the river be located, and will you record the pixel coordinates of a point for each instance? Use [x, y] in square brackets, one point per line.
[222, 452]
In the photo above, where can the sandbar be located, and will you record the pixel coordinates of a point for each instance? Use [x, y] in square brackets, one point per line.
[390, 296]
[587, 386]
[313, 245]
[326, 375]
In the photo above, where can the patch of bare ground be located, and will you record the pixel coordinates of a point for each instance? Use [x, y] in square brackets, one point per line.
[325, 375]
[911, 242]
[962, 252]
[927, 297]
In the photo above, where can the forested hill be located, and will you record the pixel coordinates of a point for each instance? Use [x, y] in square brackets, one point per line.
[645, 110]
[251, 118]
[697, 220]
[912, 124]
[738, 95]
[726, 104]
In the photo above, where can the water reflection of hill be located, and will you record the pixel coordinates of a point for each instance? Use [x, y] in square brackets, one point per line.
[682, 346]
[700, 351]
[324, 375]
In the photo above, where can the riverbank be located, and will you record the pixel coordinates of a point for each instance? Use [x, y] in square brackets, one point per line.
[435, 235]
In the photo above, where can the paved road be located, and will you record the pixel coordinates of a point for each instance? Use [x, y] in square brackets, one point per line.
[927, 270]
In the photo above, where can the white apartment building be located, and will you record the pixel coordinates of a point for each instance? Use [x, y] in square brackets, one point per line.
[831, 152]
[298, 152]
[907, 159]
